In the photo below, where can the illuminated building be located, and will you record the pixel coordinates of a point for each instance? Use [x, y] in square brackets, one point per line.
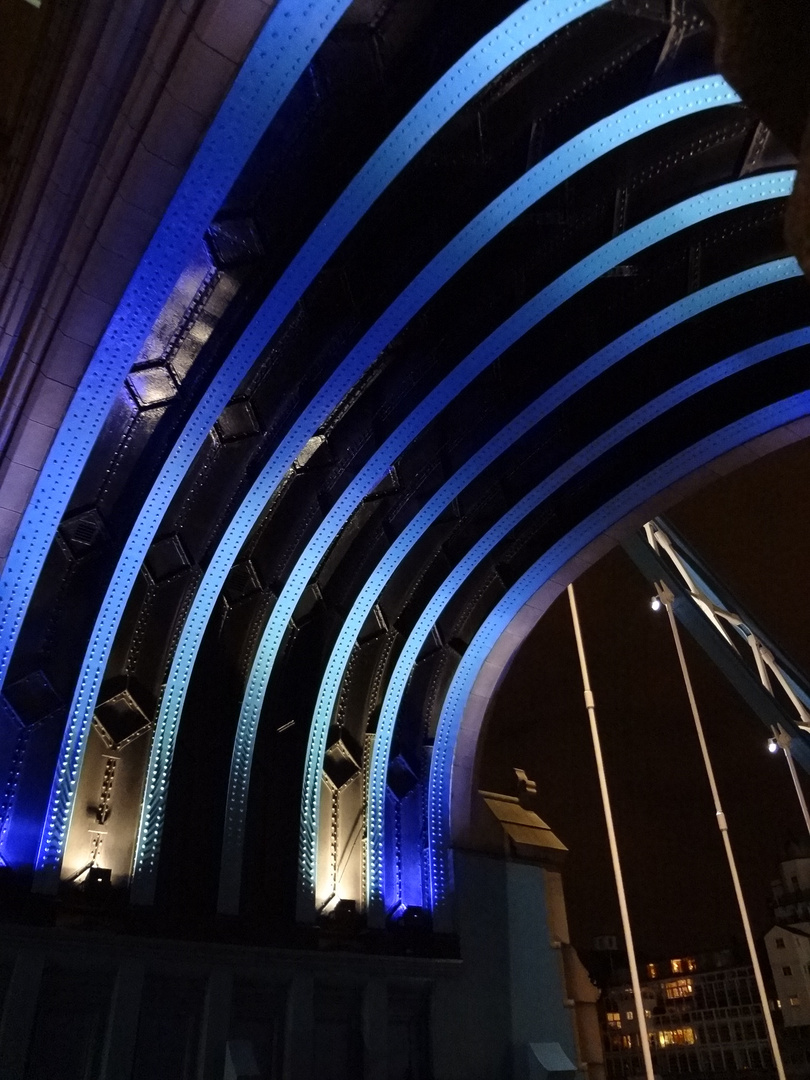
[703, 1018]
[337, 337]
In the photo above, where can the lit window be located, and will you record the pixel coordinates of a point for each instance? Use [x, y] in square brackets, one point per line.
[627, 1041]
[614, 1020]
[691, 963]
[678, 988]
[794, 999]
[677, 966]
[787, 971]
[648, 1013]
[652, 971]
[629, 1014]
[780, 943]
[676, 1037]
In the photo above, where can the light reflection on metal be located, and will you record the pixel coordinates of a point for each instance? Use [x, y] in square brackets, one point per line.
[263, 82]
[523, 30]
[782, 740]
[600, 138]
[616, 251]
[683, 463]
[265, 79]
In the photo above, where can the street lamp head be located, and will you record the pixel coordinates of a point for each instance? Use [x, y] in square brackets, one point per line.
[655, 603]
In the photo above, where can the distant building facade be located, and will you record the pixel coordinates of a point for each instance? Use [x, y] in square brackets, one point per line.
[788, 947]
[789, 955]
[788, 942]
[703, 1018]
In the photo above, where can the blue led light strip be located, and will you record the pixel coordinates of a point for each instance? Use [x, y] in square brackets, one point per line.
[286, 44]
[585, 148]
[498, 532]
[618, 250]
[496, 623]
[527, 27]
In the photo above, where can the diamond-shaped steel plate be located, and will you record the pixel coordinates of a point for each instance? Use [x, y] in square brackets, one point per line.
[32, 698]
[120, 718]
[167, 557]
[83, 532]
[339, 764]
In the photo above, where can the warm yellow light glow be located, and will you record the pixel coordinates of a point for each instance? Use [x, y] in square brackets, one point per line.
[679, 988]
[677, 966]
[676, 1037]
[614, 1020]
[652, 971]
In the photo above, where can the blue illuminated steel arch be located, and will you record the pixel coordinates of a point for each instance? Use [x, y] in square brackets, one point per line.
[620, 249]
[286, 44]
[531, 24]
[284, 47]
[498, 532]
[608, 134]
[676, 468]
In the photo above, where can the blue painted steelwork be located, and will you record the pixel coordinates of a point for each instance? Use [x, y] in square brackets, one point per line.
[285, 46]
[745, 630]
[533, 23]
[496, 623]
[608, 134]
[616, 251]
[498, 532]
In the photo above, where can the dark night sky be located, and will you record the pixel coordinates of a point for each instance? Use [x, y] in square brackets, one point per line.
[753, 528]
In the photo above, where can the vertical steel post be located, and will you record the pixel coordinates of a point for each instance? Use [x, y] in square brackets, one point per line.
[590, 705]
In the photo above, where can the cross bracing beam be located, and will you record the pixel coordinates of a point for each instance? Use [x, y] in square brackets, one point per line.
[725, 608]
[717, 624]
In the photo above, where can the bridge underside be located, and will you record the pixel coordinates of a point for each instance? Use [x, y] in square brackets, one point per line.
[441, 302]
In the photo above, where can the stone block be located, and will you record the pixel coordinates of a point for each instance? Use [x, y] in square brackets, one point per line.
[86, 317]
[174, 131]
[201, 78]
[48, 401]
[230, 26]
[31, 443]
[16, 486]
